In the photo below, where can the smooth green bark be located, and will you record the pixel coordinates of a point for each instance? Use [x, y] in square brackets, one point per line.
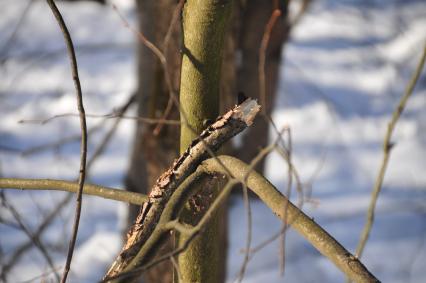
[204, 26]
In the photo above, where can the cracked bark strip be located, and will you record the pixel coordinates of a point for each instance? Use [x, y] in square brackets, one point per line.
[223, 129]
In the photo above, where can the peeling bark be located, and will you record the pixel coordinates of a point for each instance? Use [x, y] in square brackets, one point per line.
[210, 140]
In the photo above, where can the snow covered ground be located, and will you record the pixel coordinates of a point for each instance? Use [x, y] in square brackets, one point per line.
[344, 71]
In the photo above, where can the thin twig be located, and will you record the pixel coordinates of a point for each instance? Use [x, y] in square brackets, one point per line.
[40, 276]
[172, 25]
[176, 267]
[249, 232]
[37, 55]
[132, 198]
[262, 57]
[288, 194]
[276, 13]
[83, 150]
[261, 155]
[141, 37]
[173, 98]
[387, 147]
[106, 139]
[262, 78]
[12, 37]
[35, 240]
[55, 145]
[20, 251]
[176, 13]
[284, 153]
[162, 58]
[104, 116]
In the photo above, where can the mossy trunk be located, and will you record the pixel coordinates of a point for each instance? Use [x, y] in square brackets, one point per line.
[205, 23]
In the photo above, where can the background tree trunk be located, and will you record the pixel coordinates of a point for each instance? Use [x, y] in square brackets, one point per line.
[254, 16]
[151, 154]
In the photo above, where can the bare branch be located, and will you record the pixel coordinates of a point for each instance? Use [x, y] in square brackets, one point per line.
[60, 185]
[166, 199]
[387, 147]
[293, 216]
[141, 37]
[83, 153]
[210, 140]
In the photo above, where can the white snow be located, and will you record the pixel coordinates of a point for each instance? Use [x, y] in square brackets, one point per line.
[344, 70]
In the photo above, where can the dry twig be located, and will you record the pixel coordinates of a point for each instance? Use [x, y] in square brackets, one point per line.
[104, 116]
[288, 193]
[262, 56]
[387, 147]
[162, 58]
[210, 140]
[83, 153]
[108, 136]
[262, 154]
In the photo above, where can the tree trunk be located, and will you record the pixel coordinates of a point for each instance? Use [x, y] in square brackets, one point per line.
[204, 28]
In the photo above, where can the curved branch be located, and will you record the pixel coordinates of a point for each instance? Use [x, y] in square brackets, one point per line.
[277, 202]
[66, 186]
[292, 215]
[83, 126]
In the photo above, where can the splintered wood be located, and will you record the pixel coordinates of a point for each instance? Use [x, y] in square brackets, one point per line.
[224, 128]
